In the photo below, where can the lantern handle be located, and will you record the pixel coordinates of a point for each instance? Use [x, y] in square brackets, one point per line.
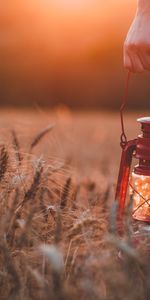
[123, 177]
[123, 137]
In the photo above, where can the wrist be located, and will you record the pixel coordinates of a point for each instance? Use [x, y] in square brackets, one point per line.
[143, 7]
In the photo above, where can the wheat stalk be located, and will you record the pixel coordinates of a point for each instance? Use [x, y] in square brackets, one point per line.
[31, 192]
[40, 135]
[3, 162]
[64, 196]
[16, 146]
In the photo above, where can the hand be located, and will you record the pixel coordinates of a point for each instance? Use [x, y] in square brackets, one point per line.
[137, 43]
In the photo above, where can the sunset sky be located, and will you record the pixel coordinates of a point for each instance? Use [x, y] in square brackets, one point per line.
[63, 25]
[66, 51]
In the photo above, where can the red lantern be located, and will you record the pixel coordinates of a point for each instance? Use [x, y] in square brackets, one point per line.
[139, 181]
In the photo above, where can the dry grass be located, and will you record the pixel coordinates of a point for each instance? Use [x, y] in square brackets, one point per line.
[58, 236]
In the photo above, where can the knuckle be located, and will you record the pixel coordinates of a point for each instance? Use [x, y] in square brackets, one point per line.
[141, 47]
[129, 47]
[132, 47]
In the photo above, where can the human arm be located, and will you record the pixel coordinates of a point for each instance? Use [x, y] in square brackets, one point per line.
[137, 43]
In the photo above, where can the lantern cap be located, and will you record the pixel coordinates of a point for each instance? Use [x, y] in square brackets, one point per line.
[145, 126]
[144, 120]
[143, 141]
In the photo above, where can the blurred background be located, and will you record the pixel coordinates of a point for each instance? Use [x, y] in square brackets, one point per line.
[67, 52]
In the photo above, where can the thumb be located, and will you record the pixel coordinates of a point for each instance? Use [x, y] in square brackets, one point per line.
[133, 63]
[127, 62]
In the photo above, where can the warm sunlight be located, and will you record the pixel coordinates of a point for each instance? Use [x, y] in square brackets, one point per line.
[54, 42]
[71, 3]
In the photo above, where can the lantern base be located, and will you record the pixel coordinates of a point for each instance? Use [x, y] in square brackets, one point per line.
[141, 235]
[142, 218]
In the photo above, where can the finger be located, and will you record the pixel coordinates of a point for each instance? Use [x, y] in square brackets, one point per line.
[132, 60]
[145, 59]
[137, 65]
[127, 62]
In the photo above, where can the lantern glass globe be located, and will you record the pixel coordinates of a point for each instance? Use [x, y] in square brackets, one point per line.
[140, 191]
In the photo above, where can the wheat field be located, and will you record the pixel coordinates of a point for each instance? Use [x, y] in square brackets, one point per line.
[58, 237]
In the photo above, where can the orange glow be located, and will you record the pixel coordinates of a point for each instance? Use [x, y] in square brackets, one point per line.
[51, 48]
[66, 25]
[141, 197]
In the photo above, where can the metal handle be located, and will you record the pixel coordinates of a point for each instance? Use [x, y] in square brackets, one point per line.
[123, 137]
[124, 172]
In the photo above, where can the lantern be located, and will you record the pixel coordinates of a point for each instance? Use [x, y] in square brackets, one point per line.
[139, 181]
